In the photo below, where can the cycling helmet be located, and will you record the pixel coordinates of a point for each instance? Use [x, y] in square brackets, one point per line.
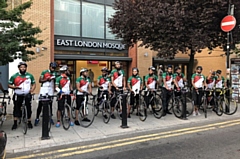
[63, 68]
[104, 69]
[22, 63]
[169, 66]
[199, 67]
[135, 68]
[83, 70]
[177, 68]
[152, 68]
[219, 71]
[117, 62]
[53, 64]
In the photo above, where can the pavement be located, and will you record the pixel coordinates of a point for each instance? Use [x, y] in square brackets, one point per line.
[18, 142]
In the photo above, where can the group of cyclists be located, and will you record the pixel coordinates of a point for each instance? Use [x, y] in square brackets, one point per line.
[109, 82]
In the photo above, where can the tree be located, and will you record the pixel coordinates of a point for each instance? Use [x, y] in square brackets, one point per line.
[17, 35]
[171, 26]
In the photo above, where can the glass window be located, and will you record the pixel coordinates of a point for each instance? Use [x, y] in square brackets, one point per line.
[109, 12]
[92, 20]
[67, 17]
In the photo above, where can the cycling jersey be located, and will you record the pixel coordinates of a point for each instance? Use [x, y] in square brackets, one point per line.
[104, 82]
[198, 80]
[22, 81]
[220, 83]
[84, 82]
[168, 79]
[210, 82]
[179, 79]
[63, 83]
[118, 77]
[48, 86]
[135, 83]
[151, 80]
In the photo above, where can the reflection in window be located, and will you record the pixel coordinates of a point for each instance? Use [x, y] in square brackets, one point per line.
[92, 20]
[67, 17]
[109, 13]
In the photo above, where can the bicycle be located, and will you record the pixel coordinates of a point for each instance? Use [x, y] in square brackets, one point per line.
[3, 108]
[46, 100]
[103, 107]
[226, 98]
[24, 118]
[86, 112]
[156, 109]
[179, 101]
[65, 113]
[133, 107]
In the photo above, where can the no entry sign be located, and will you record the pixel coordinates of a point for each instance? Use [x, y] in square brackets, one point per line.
[228, 23]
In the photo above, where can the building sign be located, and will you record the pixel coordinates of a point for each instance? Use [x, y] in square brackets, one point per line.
[89, 44]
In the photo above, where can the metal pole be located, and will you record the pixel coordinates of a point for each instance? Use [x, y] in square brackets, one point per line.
[184, 106]
[45, 122]
[124, 111]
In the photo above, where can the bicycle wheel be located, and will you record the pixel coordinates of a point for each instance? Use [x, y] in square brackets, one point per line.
[128, 104]
[142, 109]
[189, 106]
[119, 110]
[66, 117]
[229, 105]
[106, 112]
[205, 106]
[86, 116]
[177, 107]
[24, 120]
[157, 108]
[73, 108]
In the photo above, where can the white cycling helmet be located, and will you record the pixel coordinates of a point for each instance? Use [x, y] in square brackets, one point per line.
[63, 68]
[83, 70]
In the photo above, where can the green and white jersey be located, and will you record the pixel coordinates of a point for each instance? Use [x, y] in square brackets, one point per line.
[135, 83]
[168, 79]
[23, 81]
[48, 86]
[220, 83]
[151, 80]
[103, 82]
[211, 82]
[198, 80]
[118, 77]
[179, 78]
[83, 82]
[63, 83]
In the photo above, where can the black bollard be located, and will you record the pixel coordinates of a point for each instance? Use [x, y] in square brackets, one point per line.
[124, 111]
[184, 106]
[45, 119]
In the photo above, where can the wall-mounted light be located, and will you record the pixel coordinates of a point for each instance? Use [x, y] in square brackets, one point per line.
[44, 48]
[37, 49]
[145, 54]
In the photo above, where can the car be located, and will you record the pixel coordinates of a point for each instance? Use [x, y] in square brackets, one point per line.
[3, 142]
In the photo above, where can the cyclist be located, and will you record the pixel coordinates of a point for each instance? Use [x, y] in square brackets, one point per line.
[104, 84]
[179, 78]
[63, 86]
[210, 81]
[150, 83]
[198, 82]
[47, 79]
[220, 80]
[135, 84]
[167, 89]
[23, 83]
[83, 84]
[118, 82]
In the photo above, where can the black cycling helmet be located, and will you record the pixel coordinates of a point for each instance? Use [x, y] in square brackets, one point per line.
[169, 66]
[135, 68]
[22, 63]
[104, 69]
[199, 67]
[53, 64]
[152, 68]
[177, 68]
[219, 71]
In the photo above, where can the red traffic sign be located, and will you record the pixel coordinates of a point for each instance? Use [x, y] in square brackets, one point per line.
[228, 23]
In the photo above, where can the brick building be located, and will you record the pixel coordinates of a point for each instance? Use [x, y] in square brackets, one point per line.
[75, 33]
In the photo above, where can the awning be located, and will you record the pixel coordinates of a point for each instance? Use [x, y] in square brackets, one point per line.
[86, 57]
[176, 60]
